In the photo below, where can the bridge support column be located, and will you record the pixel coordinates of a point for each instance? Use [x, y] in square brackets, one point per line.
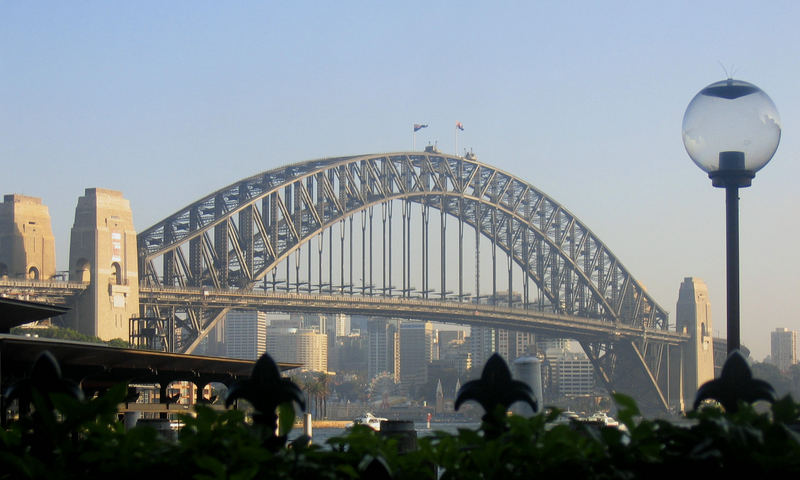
[27, 247]
[693, 316]
[103, 254]
[675, 394]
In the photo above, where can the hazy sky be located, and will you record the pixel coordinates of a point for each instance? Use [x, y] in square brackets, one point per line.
[168, 101]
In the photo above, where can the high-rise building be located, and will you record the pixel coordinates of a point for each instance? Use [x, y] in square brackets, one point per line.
[299, 345]
[352, 354]
[693, 316]
[416, 352]
[336, 326]
[312, 321]
[359, 322]
[382, 351]
[784, 348]
[552, 344]
[454, 350]
[443, 339]
[572, 373]
[245, 334]
[482, 343]
[341, 325]
[512, 344]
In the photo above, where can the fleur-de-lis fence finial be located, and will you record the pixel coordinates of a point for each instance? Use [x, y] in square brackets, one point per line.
[45, 378]
[266, 390]
[735, 383]
[495, 391]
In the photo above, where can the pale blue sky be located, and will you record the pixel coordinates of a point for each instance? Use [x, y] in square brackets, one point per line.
[168, 101]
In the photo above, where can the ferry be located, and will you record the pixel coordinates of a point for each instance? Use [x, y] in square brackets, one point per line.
[369, 420]
[601, 418]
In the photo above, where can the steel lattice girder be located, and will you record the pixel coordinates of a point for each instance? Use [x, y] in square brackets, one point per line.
[238, 234]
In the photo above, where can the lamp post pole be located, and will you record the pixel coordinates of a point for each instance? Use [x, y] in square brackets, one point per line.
[732, 175]
[732, 254]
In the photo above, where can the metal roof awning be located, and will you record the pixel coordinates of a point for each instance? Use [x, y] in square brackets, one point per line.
[98, 364]
[14, 313]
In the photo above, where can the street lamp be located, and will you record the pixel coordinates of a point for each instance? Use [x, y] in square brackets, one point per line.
[731, 129]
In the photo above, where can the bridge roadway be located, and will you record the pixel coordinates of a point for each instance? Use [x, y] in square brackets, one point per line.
[46, 291]
[496, 316]
[396, 307]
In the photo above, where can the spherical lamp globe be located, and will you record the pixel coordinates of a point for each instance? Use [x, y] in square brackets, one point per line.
[731, 129]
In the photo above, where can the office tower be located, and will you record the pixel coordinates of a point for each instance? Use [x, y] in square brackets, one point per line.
[455, 354]
[573, 373]
[446, 336]
[416, 352]
[341, 325]
[784, 348]
[552, 344]
[359, 322]
[352, 354]
[382, 348]
[312, 321]
[299, 345]
[512, 344]
[693, 316]
[502, 344]
[482, 343]
[245, 334]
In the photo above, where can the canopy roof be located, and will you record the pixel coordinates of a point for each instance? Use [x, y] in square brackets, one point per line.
[100, 365]
[14, 313]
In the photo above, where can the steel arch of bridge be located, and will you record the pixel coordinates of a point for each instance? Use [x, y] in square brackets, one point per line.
[237, 235]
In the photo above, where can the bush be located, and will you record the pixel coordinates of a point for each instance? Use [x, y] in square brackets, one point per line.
[84, 439]
[67, 436]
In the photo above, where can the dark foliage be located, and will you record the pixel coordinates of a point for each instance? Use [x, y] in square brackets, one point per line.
[80, 438]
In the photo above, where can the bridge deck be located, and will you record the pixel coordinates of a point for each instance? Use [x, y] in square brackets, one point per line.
[433, 310]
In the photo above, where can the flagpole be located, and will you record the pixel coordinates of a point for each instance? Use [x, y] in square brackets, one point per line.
[414, 141]
[455, 139]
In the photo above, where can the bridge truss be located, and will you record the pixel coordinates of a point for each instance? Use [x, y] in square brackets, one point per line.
[334, 226]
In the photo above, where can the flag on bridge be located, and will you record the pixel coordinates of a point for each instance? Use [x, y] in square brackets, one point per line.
[460, 126]
[418, 126]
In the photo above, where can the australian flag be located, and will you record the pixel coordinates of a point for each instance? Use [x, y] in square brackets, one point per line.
[459, 126]
[418, 126]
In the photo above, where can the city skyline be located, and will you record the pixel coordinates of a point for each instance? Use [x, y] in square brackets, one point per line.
[582, 101]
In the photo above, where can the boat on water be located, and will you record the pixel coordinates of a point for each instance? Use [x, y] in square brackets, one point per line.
[603, 419]
[369, 420]
[599, 419]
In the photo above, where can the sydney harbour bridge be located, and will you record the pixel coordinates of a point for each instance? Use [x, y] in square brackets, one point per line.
[420, 235]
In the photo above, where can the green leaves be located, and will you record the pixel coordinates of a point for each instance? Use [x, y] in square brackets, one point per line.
[84, 438]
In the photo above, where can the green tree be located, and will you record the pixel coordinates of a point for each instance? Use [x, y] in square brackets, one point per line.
[768, 372]
[60, 333]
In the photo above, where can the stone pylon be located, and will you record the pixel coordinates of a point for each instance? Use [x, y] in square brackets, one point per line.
[693, 316]
[27, 246]
[103, 253]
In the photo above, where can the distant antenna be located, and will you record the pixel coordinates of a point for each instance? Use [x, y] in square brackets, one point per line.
[728, 75]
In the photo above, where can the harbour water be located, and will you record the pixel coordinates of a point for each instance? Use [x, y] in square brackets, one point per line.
[321, 435]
